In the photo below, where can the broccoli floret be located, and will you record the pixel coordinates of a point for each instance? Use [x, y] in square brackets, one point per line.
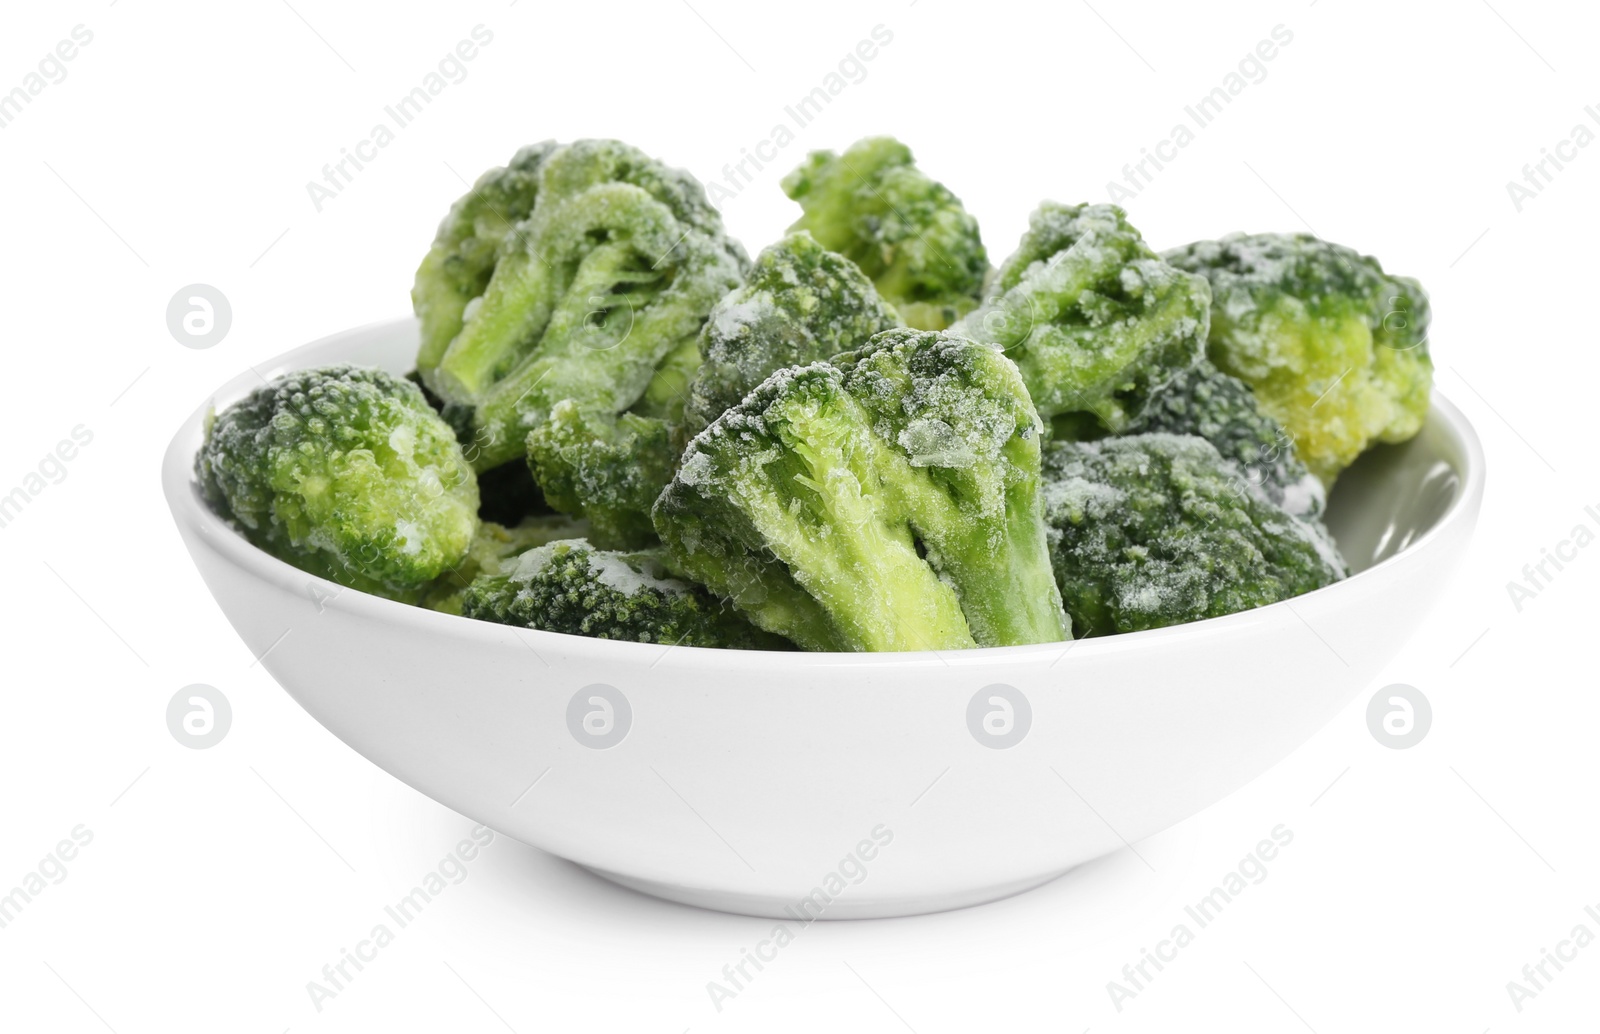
[888, 500]
[459, 417]
[345, 472]
[608, 468]
[1222, 409]
[457, 267]
[1152, 530]
[801, 303]
[667, 393]
[907, 232]
[611, 468]
[1335, 348]
[569, 586]
[491, 548]
[612, 273]
[1096, 322]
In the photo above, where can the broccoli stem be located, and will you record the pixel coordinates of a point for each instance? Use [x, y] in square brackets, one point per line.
[439, 303]
[512, 314]
[1003, 578]
[871, 579]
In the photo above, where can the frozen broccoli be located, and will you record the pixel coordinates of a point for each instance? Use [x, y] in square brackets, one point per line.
[800, 304]
[1152, 530]
[1096, 322]
[492, 547]
[569, 586]
[1221, 409]
[1334, 348]
[906, 231]
[611, 274]
[456, 269]
[608, 468]
[888, 500]
[345, 472]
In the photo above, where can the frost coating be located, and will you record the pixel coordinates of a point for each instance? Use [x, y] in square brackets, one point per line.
[800, 304]
[1157, 529]
[610, 469]
[1334, 348]
[345, 472]
[886, 500]
[493, 548]
[449, 285]
[569, 586]
[592, 296]
[1095, 321]
[908, 233]
[1222, 409]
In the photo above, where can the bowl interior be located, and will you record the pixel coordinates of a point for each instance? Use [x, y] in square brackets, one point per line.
[1393, 494]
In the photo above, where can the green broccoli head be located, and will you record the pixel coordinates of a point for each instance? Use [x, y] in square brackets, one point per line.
[1223, 410]
[1335, 348]
[1096, 322]
[345, 472]
[1152, 530]
[613, 271]
[457, 267]
[569, 586]
[907, 232]
[888, 500]
[607, 468]
[492, 548]
[801, 303]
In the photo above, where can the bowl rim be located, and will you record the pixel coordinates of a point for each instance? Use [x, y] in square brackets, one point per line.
[193, 515]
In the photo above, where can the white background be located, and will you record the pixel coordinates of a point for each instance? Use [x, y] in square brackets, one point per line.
[220, 881]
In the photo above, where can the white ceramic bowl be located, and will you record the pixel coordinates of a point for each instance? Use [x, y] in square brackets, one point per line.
[755, 782]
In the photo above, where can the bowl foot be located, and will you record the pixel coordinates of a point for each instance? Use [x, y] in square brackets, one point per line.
[846, 906]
